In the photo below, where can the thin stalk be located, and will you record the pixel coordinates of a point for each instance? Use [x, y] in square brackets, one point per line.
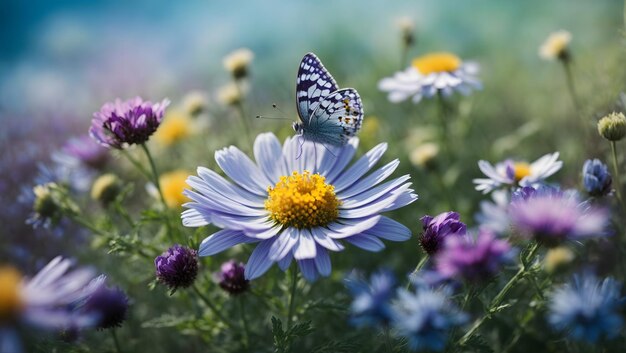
[618, 186]
[571, 87]
[212, 306]
[118, 348]
[405, 55]
[450, 201]
[242, 112]
[497, 300]
[136, 164]
[443, 125]
[292, 297]
[155, 180]
[388, 340]
[244, 323]
[419, 266]
[88, 225]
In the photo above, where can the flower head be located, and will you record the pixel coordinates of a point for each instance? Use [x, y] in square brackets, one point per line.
[86, 150]
[176, 126]
[231, 277]
[172, 185]
[125, 123]
[297, 208]
[437, 229]
[551, 216]
[194, 103]
[371, 304]
[557, 258]
[596, 178]
[50, 203]
[177, 267]
[47, 300]
[556, 46]
[432, 74]
[425, 318]
[510, 173]
[106, 188]
[612, 127]
[108, 305]
[587, 309]
[472, 259]
[231, 94]
[238, 61]
[424, 155]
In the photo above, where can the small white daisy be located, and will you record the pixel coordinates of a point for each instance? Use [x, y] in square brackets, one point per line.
[432, 74]
[511, 173]
[556, 45]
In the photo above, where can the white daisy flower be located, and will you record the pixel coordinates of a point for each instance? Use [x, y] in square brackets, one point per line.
[556, 45]
[432, 74]
[512, 173]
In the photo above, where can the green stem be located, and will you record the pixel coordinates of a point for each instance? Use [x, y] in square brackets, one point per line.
[388, 340]
[88, 225]
[244, 322]
[155, 173]
[136, 164]
[419, 266]
[497, 300]
[242, 112]
[617, 179]
[443, 125]
[118, 348]
[212, 306]
[292, 296]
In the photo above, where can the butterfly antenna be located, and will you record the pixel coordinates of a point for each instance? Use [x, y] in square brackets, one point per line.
[271, 117]
[275, 106]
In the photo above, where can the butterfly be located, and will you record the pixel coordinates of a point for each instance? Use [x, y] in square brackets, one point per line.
[328, 115]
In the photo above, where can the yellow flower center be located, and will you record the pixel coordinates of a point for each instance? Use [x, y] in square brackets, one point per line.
[175, 127]
[437, 62]
[10, 300]
[521, 170]
[302, 201]
[172, 185]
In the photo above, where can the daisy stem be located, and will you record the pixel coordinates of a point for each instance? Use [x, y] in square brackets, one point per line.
[244, 322]
[444, 125]
[497, 300]
[155, 180]
[571, 87]
[618, 186]
[211, 306]
[116, 341]
[292, 297]
[242, 112]
[419, 266]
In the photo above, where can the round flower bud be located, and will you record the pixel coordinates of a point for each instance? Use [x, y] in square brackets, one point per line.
[557, 258]
[231, 278]
[110, 305]
[177, 267]
[425, 155]
[194, 103]
[106, 188]
[613, 126]
[230, 94]
[238, 61]
[45, 204]
[596, 178]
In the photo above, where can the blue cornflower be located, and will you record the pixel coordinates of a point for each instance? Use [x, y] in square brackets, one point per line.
[596, 178]
[372, 301]
[297, 207]
[425, 317]
[587, 308]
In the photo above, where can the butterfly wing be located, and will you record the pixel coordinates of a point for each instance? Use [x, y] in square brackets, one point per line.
[337, 118]
[313, 83]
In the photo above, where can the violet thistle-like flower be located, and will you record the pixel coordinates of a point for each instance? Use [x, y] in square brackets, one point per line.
[231, 278]
[436, 229]
[472, 259]
[596, 178]
[130, 122]
[108, 305]
[177, 267]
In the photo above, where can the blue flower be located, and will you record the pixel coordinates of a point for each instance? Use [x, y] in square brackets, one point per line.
[425, 317]
[371, 305]
[587, 309]
[297, 208]
[596, 178]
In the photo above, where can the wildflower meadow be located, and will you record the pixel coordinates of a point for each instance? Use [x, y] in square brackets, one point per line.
[428, 176]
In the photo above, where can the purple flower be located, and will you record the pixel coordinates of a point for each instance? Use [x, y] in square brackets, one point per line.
[108, 305]
[177, 267]
[86, 150]
[472, 259]
[551, 216]
[436, 229]
[231, 277]
[129, 122]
